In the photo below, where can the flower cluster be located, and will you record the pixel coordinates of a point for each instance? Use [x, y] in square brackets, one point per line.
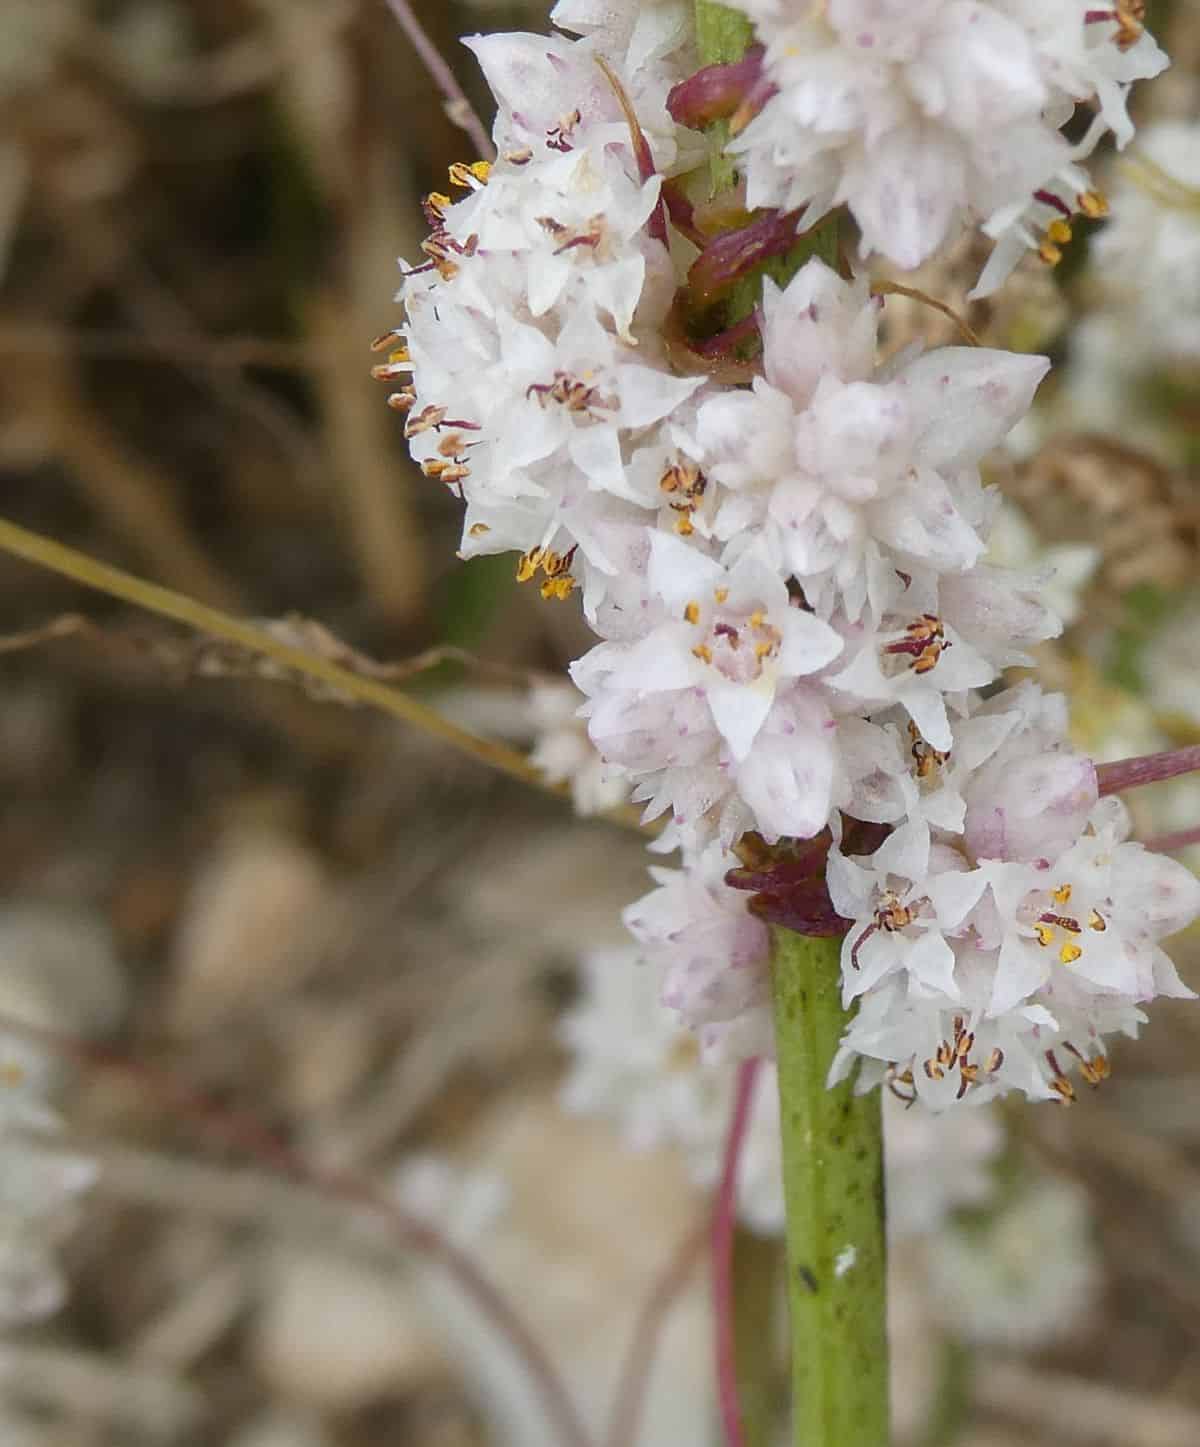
[782, 541]
[925, 117]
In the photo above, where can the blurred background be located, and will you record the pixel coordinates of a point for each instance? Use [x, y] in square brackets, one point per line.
[392, 958]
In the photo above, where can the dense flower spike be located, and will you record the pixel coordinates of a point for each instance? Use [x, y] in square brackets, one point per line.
[922, 117]
[783, 541]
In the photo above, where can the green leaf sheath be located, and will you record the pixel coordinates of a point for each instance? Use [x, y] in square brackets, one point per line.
[833, 1189]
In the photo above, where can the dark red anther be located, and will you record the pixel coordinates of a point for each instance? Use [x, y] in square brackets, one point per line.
[717, 91]
[1048, 198]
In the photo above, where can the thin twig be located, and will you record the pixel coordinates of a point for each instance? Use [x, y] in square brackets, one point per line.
[70, 563]
[724, 1218]
[241, 1132]
[635, 1371]
[1171, 843]
[895, 288]
[458, 107]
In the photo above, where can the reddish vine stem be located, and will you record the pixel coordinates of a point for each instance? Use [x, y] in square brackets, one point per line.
[1169, 843]
[458, 107]
[724, 1218]
[241, 1132]
[1147, 769]
[635, 1371]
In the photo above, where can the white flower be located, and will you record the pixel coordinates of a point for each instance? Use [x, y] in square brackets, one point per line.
[710, 953]
[853, 474]
[922, 117]
[534, 326]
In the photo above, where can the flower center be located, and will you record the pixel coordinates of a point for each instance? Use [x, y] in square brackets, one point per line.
[737, 644]
[1062, 932]
[923, 642]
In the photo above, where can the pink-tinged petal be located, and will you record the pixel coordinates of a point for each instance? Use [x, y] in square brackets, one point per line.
[1166, 978]
[1023, 968]
[807, 645]
[966, 400]
[679, 572]
[931, 960]
[739, 712]
[955, 893]
[904, 191]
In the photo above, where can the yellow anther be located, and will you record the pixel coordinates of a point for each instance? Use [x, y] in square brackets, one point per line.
[1061, 895]
[1097, 921]
[721, 594]
[757, 618]
[470, 178]
[438, 201]
[558, 588]
[684, 527]
[703, 652]
[1069, 953]
[1045, 934]
[477, 530]
[1059, 231]
[763, 650]
[1093, 204]
[527, 564]
[691, 613]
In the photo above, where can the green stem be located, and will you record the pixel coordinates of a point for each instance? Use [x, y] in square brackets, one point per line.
[833, 1188]
[722, 34]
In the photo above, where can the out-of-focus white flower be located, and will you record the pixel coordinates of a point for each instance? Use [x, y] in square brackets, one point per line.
[1067, 568]
[924, 117]
[633, 1064]
[1148, 256]
[709, 953]
[40, 1184]
[565, 754]
[1023, 1278]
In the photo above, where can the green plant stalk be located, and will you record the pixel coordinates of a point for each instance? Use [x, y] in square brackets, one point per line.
[833, 1192]
[832, 1139]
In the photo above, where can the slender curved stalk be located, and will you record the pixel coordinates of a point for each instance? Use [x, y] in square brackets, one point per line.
[458, 107]
[58, 558]
[833, 1189]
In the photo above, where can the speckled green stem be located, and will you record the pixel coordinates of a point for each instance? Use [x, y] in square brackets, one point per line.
[833, 1188]
[722, 34]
